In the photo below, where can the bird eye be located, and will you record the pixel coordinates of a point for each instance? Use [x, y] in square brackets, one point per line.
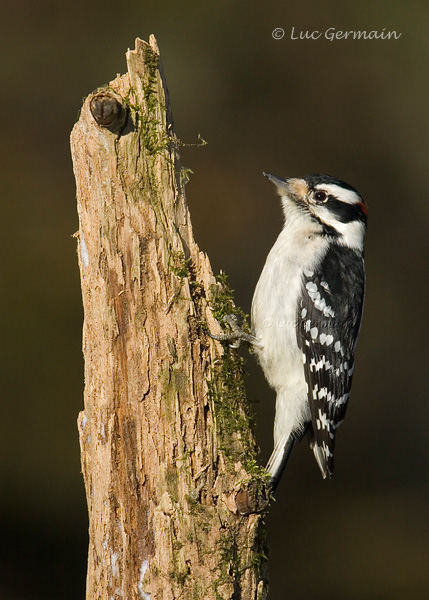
[320, 196]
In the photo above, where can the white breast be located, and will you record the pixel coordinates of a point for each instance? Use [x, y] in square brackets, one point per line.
[274, 312]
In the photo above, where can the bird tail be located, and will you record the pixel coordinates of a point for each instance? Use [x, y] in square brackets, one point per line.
[278, 459]
[324, 460]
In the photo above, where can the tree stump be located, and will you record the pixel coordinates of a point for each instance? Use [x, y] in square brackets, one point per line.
[166, 441]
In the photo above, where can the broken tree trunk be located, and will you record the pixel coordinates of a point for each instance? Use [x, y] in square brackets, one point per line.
[168, 455]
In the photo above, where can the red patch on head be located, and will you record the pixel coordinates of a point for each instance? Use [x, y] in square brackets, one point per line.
[363, 208]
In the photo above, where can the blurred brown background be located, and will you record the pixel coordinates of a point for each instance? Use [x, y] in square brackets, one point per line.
[354, 109]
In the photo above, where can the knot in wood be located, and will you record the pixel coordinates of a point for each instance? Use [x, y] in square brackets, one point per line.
[107, 111]
[252, 498]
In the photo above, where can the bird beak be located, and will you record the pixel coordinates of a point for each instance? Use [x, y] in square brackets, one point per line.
[281, 184]
[293, 188]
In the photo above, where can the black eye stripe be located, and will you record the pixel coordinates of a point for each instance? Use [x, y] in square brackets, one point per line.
[345, 212]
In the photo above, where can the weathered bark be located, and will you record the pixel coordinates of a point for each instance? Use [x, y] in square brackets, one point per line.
[165, 433]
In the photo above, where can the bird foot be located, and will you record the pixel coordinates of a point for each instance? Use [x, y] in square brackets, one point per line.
[236, 335]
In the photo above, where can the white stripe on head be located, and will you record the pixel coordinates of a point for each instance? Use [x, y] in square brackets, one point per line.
[343, 194]
[352, 233]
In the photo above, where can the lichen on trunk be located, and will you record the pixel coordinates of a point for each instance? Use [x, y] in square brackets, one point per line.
[166, 437]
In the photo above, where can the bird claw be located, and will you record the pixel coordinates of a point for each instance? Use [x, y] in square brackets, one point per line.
[236, 335]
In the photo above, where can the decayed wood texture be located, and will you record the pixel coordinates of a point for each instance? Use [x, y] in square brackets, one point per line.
[165, 437]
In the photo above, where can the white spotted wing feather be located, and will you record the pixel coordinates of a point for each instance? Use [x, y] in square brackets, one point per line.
[329, 315]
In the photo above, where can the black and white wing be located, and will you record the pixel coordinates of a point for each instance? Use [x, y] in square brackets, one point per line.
[328, 321]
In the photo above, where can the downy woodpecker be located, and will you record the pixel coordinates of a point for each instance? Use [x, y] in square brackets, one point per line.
[306, 314]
